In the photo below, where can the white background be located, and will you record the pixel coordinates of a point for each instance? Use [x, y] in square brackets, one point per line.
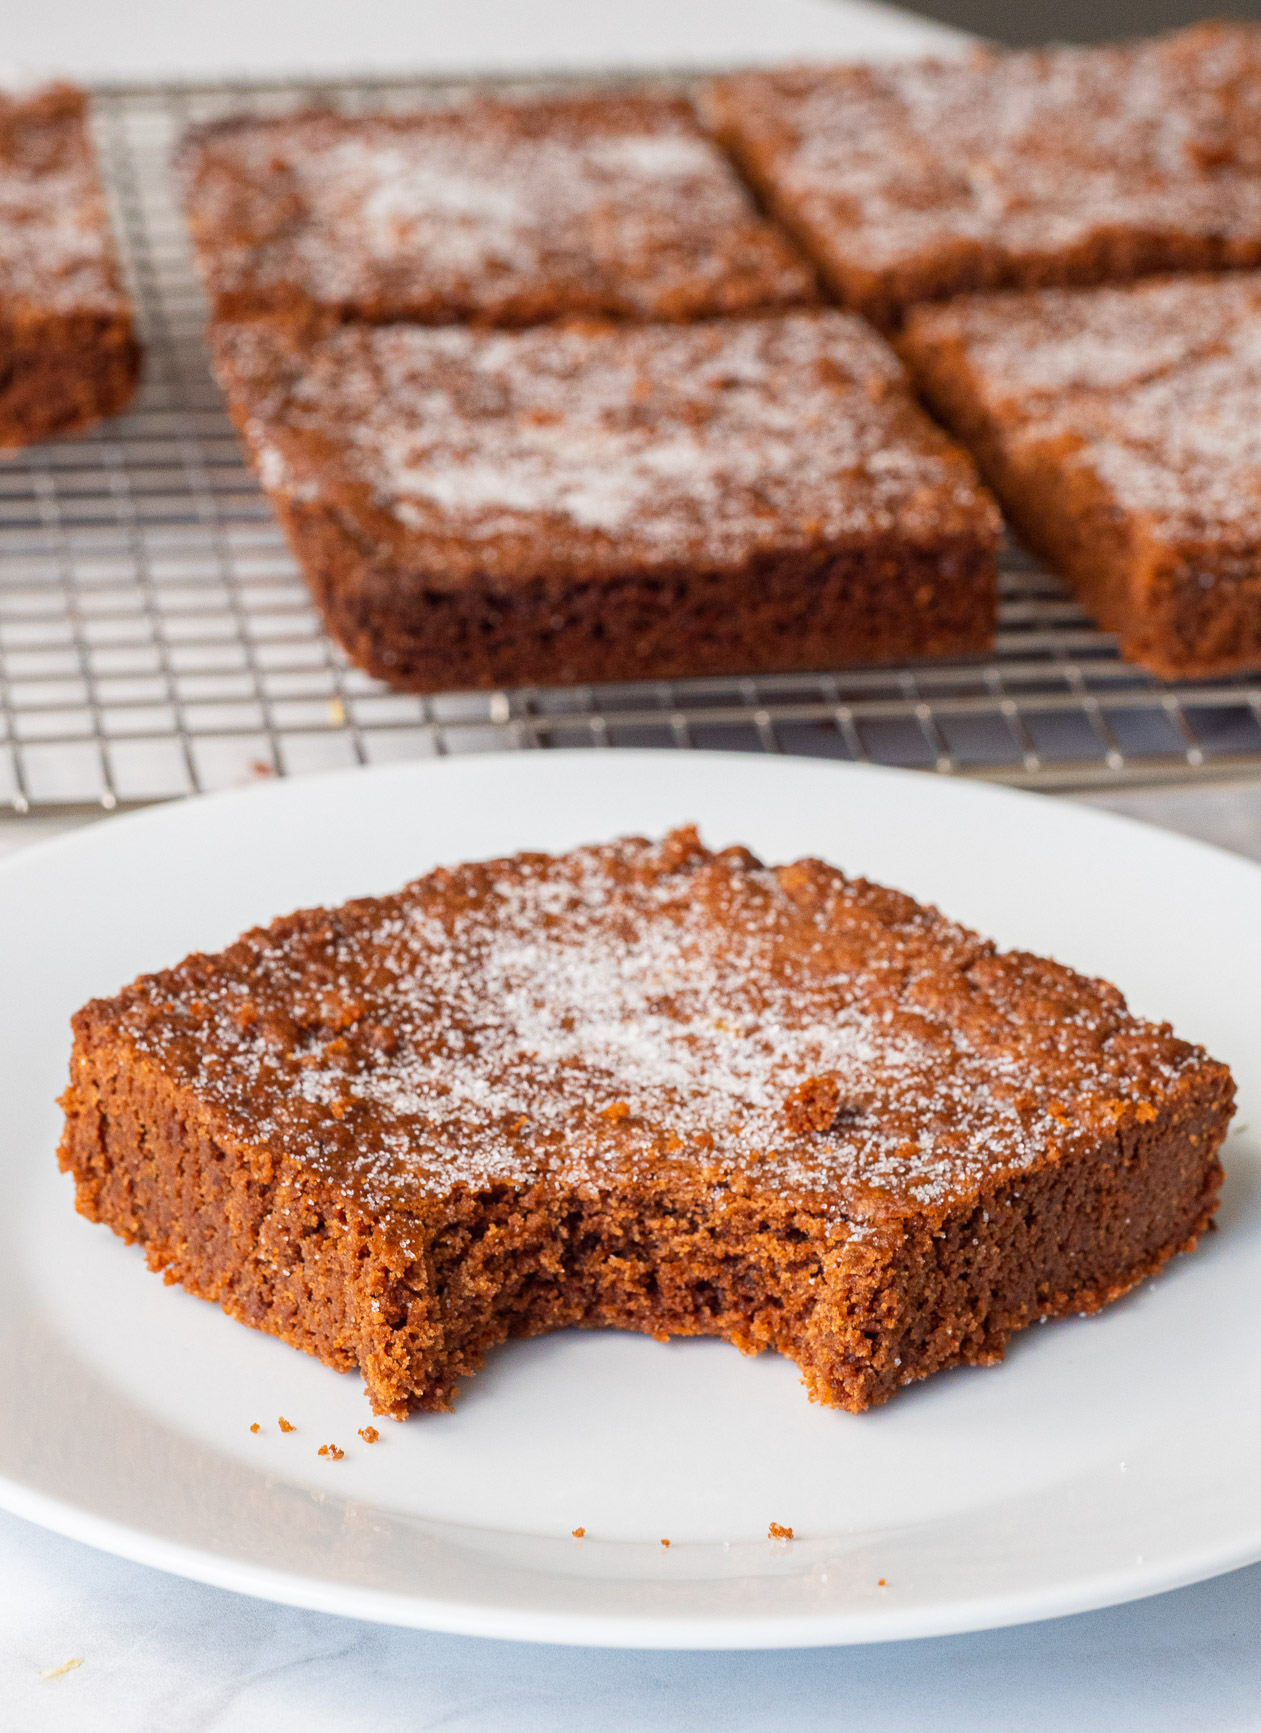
[206, 38]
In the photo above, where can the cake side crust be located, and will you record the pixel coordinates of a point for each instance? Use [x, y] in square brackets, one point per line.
[1178, 577]
[62, 373]
[416, 1299]
[817, 608]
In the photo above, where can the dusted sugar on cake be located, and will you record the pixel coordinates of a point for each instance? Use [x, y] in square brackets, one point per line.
[648, 1087]
[1120, 428]
[68, 353]
[558, 505]
[492, 212]
[918, 180]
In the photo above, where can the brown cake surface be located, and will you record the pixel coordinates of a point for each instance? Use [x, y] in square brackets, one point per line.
[68, 354]
[492, 212]
[501, 508]
[641, 1086]
[1120, 427]
[918, 180]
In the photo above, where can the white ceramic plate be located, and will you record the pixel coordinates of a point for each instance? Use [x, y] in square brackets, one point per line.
[1107, 1458]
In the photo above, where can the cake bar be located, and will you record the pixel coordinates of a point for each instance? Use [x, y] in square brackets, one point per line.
[1120, 428]
[490, 212]
[647, 1087]
[918, 180]
[68, 353]
[478, 509]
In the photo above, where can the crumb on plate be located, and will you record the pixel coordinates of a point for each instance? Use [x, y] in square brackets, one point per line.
[65, 1667]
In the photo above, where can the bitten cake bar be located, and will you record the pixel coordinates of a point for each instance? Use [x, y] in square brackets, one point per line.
[648, 1087]
[491, 212]
[68, 353]
[1120, 428]
[914, 181]
[557, 505]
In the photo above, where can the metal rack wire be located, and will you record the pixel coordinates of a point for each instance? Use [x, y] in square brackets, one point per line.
[156, 637]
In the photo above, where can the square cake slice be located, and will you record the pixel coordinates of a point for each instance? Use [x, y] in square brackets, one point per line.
[647, 1087]
[480, 509]
[1120, 428]
[496, 213]
[914, 181]
[68, 353]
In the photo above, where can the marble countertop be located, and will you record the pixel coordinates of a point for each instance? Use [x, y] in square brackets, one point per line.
[165, 1656]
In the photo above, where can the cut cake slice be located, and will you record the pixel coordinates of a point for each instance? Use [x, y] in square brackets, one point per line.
[68, 351]
[492, 212]
[631, 502]
[641, 1086]
[1120, 428]
[922, 179]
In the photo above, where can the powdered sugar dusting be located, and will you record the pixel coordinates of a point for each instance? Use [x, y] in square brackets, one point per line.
[56, 251]
[1033, 153]
[492, 210]
[1152, 387]
[666, 443]
[628, 1010]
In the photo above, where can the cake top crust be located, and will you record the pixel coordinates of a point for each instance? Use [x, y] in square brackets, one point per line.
[1034, 153]
[628, 1011]
[588, 450]
[1153, 387]
[57, 253]
[504, 213]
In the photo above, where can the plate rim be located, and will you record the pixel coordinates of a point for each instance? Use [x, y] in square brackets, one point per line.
[791, 1629]
[695, 1633]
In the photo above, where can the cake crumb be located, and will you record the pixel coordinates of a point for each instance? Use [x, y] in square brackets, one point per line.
[369, 1434]
[285, 1426]
[65, 1667]
[615, 1110]
[777, 1531]
[882, 1584]
[331, 1450]
[256, 1427]
[665, 1543]
[578, 1533]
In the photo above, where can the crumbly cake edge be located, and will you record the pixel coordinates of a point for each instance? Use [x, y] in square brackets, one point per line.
[282, 1250]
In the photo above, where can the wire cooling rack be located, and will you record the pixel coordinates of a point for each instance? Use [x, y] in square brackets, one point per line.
[156, 638]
